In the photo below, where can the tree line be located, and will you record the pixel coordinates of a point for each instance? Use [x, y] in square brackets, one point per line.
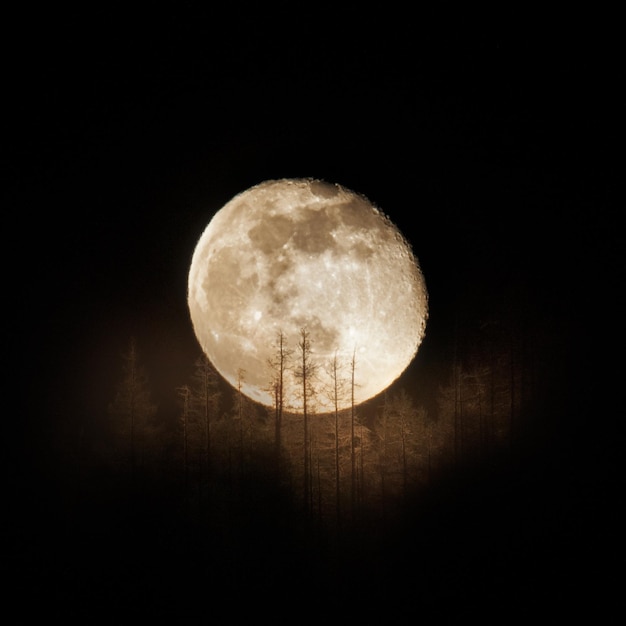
[339, 467]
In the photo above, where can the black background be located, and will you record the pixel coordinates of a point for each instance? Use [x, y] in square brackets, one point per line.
[496, 157]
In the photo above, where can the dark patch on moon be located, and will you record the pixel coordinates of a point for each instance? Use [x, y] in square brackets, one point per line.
[361, 250]
[323, 190]
[280, 299]
[323, 339]
[278, 266]
[271, 233]
[356, 214]
[312, 232]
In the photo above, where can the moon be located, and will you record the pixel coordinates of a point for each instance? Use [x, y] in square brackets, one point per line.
[302, 253]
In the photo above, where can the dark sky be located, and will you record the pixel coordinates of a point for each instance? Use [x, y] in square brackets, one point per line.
[127, 132]
[495, 159]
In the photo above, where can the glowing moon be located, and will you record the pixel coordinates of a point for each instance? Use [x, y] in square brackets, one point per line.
[303, 253]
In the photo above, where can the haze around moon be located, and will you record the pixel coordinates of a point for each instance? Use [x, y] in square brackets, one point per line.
[293, 254]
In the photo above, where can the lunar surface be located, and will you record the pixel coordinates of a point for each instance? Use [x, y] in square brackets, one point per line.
[294, 254]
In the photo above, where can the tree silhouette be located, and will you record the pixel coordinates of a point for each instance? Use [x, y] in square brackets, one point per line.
[336, 393]
[132, 409]
[402, 428]
[345, 464]
[304, 373]
[353, 475]
[185, 394]
[279, 364]
[205, 401]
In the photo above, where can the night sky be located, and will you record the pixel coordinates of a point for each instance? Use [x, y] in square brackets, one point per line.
[497, 160]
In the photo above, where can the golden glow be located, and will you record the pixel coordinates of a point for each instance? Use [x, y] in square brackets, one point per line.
[302, 253]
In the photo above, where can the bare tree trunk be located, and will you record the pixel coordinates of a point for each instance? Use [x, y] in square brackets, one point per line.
[361, 491]
[279, 365]
[132, 435]
[491, 428]
[132, 408]
[207, 426]
[457, 415]
[305, 373]
[457, 396]
[429, 439]
[481, 419]
[334, 372]
[132, 363]
[383, 457]
[277, 426]
[512, 425]
[337, 471]
[203, 401]
[307, 477]
[319, 482]
[185, 393]
[405, 478]
[352, 439]
[240, 401]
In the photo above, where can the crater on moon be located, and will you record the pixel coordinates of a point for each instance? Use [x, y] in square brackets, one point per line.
[290, 254]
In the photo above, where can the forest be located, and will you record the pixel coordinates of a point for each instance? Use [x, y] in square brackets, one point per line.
[418, 493]
[339, 467]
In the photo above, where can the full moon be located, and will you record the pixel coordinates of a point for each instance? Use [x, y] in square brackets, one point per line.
[294, 255]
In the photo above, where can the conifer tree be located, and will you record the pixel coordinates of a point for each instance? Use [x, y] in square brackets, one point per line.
[305, 373]
[133, 409]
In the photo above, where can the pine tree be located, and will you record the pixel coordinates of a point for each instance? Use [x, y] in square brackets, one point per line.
[279, 364]
[132, 408]
[336, 394]
[353, 489]
[305, 373]
[205, 401]
[185, 394]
